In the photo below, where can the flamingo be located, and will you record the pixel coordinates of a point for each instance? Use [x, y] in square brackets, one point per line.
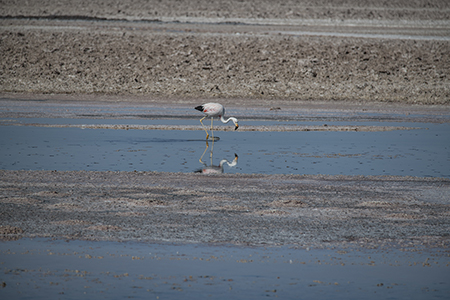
[214, 110]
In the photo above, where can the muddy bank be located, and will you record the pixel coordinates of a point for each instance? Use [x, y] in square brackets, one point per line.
[242, 209]
[192, 127]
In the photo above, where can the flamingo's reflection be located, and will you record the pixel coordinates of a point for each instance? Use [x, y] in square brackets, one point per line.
[214, 169]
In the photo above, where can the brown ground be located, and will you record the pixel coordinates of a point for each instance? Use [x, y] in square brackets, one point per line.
[230, 49]
[241, 52]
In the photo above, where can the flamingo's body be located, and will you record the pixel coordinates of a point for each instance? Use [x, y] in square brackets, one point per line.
[214, 110]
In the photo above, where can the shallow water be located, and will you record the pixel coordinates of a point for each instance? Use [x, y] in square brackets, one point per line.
[46, 269]
[417, 152]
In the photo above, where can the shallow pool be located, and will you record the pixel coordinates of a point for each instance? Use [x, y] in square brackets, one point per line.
[415, 152]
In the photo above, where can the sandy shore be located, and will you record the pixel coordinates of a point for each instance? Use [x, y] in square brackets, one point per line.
[316, 211]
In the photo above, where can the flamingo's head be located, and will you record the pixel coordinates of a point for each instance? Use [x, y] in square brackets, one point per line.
[235, 121]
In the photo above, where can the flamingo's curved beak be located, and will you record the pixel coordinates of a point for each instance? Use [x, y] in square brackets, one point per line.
[237, 126]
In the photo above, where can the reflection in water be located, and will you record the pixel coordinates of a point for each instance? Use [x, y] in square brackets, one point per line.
[214, 169]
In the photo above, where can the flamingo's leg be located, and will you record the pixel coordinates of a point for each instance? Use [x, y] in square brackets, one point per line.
[212, 133]
[201, 157]
[212, 136]
[207, 134]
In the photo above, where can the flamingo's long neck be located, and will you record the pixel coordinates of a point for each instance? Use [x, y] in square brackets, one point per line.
[224, 121]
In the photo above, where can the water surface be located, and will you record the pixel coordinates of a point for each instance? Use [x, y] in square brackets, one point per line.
[49, 269]
[416, 152]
